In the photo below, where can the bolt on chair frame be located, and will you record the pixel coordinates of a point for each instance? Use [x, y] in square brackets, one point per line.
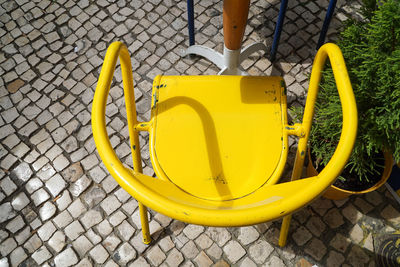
[268, 203]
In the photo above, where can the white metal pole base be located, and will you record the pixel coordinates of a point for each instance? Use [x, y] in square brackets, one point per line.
[229, 62]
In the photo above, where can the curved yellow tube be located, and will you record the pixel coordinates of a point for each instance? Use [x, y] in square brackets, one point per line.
[98, 120]
[349, 131]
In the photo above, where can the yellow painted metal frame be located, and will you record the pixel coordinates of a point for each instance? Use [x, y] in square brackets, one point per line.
[265, 204]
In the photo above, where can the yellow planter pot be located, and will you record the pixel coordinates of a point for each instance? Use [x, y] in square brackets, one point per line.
[336, 193]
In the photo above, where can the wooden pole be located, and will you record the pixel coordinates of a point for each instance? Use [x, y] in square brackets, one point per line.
[235, 14]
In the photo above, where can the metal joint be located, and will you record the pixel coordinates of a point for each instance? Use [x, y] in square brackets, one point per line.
[296, 129]
[142, 126]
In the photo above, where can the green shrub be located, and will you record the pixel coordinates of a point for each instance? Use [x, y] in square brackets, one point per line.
[371, 49]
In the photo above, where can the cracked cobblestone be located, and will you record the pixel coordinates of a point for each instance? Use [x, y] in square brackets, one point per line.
[58, 204]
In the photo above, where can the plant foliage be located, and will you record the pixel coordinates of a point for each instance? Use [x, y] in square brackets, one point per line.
[371, 49]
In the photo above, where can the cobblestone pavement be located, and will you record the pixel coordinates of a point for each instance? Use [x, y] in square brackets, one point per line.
[59, 205]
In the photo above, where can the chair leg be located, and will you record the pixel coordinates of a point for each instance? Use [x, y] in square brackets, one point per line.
[284, 230]
[296, 174]
[327, 21]
[278, 29]
[190, 13]
[145, 223]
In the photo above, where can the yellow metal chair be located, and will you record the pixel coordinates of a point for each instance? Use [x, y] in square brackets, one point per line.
[218, 144]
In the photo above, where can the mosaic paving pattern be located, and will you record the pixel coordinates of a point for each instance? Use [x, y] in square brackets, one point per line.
[59, 205]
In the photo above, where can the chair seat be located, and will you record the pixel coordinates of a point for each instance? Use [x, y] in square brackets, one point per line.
[218, 137]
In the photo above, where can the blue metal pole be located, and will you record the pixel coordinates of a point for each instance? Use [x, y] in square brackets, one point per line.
[190, 12]
[278, 29]
[327, 21]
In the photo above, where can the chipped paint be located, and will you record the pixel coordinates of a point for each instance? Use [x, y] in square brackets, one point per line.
[155, 100]
[270, 92]
[283, 85]
[296, 129]
[160, 86]
[142, 126]
[218, 179]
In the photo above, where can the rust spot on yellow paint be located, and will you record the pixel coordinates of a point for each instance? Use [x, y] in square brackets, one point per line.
[218, 179]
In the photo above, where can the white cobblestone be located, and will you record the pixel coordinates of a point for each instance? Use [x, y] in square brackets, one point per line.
[248, 235]
[219, 235]
[40, 196]
[47, 211]
[46, 231]
[111, 242]
[139, 262]
[23, 235]
[78, 187]
[104, 228]
[99, 254]
[41, 255]
[63, 219]
[93, 237]
[33, 185]
[234, 251]
[76, 208]
[33, 243]
[82, 245]
[126, 230]
[23, 172]
[124, 254]
[74, 230]
[57, 241]
[15, 224]
[8, 186]
[64, 201]
[192, 231]
[110, 204]
[260, 250]
[91, 218]
[7, 246]
[190, 250]
[55, 185]
[156, 256]
[66, 258]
